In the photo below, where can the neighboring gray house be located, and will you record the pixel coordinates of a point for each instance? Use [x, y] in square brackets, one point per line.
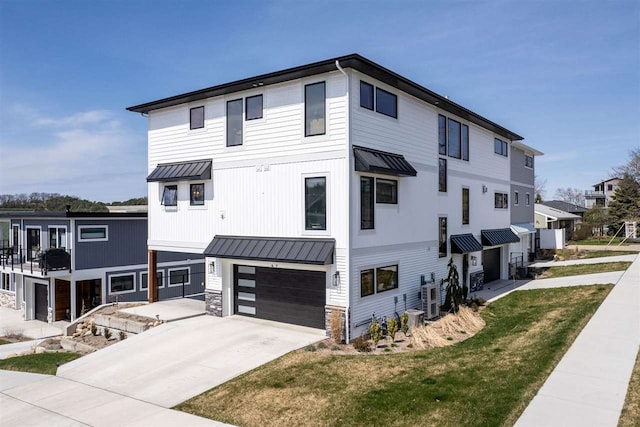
[568, 207]
[55, 265]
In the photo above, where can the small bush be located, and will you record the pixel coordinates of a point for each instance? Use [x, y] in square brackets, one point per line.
[387, 350]
[392, 328]
[335, 348]
[107, 333]
[122, 335]
[335, 323]
[310, 348]
[321, 345]
[375, 331]
[394, 345]
[409, 345]
[361, 344]
[404, 323]
[94, 329]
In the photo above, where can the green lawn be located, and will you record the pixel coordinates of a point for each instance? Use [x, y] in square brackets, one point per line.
[576, 270]
[597, 241]
[2, 342]
[486, 380]
[630, 416]
[44, 363]
[600, 254]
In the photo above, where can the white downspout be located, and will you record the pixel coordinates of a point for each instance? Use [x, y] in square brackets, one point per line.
[347, 331]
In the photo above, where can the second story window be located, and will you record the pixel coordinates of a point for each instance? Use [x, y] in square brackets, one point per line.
[516, 198]
[501, 201]
[442, 175]
[465, 206]
[253, 108]
[315, 109]
[315, 203]
[528, 199]
[197, 195]
[57, 237]
[386, 103]
[234, 122]
[500, 147]
[93, 233]
[528, 161]
[366, 95]
[453, 138]
[196, 118]
[170, 195]
[442, 237]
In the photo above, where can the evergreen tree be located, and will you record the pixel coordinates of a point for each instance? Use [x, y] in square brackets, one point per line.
[625, 203]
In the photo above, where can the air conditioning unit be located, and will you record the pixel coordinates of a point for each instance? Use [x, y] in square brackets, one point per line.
[430, 300]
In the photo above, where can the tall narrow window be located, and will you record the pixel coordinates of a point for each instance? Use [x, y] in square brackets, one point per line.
[453, 134]
[442, 237]
[234, 122]
[366, 282]
[465, 206]
[465, 142]
[528, 161]
[442, 175]
[253, 107]
[197, 195]
[516, 198]
[442, 135]
[387, 191]
[366, 95]
[315, 200]
[314, 109]
[170, 195]
[528, 199]
[386, 103]
[57, 237]
[196, 120]
[366, 203]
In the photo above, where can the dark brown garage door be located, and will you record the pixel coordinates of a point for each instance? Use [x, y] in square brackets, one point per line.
[41, 301]
[282, 295]
[491, 264]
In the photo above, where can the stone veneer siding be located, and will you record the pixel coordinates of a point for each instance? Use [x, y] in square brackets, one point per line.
[8, 299]
[328, 309]
[213, 302]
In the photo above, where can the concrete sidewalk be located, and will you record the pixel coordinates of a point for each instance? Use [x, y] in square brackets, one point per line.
[44, 400]
[12, 323]
[169, 310]
[589, 385]
[600, 260]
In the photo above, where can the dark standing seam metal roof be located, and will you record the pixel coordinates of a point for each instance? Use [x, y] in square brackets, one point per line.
[498, 236]
[353, 61]
[197, 169]
[369, 160]
[280, 249]
[464, 243]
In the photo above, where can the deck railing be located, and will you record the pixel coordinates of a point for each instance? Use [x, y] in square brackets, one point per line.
[17, 258]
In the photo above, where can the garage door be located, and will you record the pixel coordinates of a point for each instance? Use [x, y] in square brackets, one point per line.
[282, 295]
[491, 264]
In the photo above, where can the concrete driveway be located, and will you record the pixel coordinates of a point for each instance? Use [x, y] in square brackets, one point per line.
[179, 360]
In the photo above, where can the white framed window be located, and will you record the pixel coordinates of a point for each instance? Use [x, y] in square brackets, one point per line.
[93, 233]
[122, 283]
[144, 279]
[58, 237]
[179, 276]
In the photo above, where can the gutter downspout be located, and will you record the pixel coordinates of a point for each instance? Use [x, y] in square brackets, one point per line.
[347, 312]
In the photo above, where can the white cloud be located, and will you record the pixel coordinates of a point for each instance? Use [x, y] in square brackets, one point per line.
[79, 119]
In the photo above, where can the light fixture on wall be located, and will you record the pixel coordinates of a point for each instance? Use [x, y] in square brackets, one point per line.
[484, 188]
[336, 279]
[474, 260]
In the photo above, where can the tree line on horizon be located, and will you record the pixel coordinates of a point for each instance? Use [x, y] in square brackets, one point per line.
[55, 202]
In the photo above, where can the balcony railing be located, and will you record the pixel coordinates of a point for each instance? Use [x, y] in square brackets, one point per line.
[19, 259]
[593, 193]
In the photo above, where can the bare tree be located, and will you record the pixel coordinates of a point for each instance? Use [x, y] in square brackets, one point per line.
[539, 188]
[632, 168]
[570, 195]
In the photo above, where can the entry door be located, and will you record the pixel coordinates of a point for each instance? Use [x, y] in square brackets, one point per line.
[41, 301]
[491, 264]
[33, 242]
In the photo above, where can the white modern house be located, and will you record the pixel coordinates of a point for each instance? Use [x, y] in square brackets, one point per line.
[334, 186]
[601, 193]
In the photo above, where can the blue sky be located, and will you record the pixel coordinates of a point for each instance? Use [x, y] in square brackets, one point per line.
[564, 74]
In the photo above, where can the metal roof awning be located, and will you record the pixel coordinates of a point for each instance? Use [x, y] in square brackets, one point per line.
[279, 249]
[181, 171]
[369, 160]
[464, 243]
[498, 236]
[524, 228]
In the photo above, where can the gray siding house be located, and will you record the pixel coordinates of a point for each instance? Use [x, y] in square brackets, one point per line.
[57, 265]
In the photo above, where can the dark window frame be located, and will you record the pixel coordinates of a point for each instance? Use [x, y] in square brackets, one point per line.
[443, 247]
[500, 200]
[442, 135]
[371, 87]
[450, 141]
[171, 278]
[516, 198]
[466, 206]
[394, 286]
[500, 147]
[528, 161]
[191, 120]
[175, 198]
[394, 195]
[307, 123]
[159, 277]
[444, 138]
[192, 201]
[395, 106]
[372, 272]
[308, 225]
[464, 135]
[367, 223]
[120, 277]
[528, 199]
[442, 175]
[246, 108]
[241, 121]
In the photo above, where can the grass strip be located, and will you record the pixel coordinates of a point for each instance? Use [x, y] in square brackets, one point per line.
[487, 380]
[44, 363]
[630, 416]
[578, 269]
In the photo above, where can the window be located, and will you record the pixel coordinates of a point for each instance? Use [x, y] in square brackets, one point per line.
[170, 195]
[442, 237]
[93, 233]
[516, 198]
[315, 202]
[196, 120]
[314, 109]
[144, 280]
[366, 95]
[501, 201]
[234, 122]
[6, 282]
[179, 276]
[386, 103]
[366, 282]
[609, 187]
[442, 175]
[253, 107]
[500, 147]
[527, 199]
[122, 284]
[57, 237]
[197, 194]
[465, 206]
[453, 138]
[366, 203]
[376, 280]
[528, 161]
[387, 191]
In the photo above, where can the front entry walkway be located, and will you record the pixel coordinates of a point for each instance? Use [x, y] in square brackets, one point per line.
[169, 310]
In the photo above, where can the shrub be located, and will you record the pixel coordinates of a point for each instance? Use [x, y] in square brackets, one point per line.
[404, 323]
[107, 333]
[94, 329]
[335, 348]
[392, 328]
[335, 323]
[122, 335]
[321, 345]
[583, 231]
[361, 344]
[375, 331]
[310, 347]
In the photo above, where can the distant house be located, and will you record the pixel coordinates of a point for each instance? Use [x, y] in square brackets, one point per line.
[601, 193]
[567, 207]
[547, 217]
[54, 265]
